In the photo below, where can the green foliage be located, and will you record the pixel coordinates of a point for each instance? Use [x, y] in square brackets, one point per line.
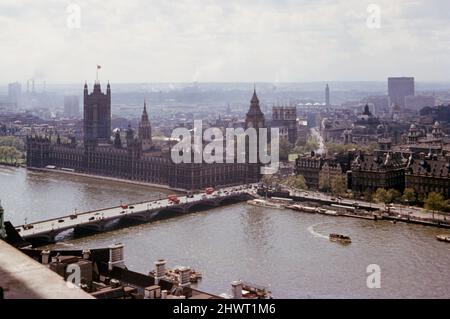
[338, 185]
[387, 196]
[340, 148]
[324, 183]
[311, 145]
[394, 196]
[285, 149]
[13, 141]
[9, 154]
[434, 201]
[343, 148]
[381, 196]
[295, 181]
[269, 179]
[409, 196]
[368, 195]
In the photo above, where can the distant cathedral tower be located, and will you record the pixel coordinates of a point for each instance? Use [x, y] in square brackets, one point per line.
[145, 130]
[327, 95]
[97, 114]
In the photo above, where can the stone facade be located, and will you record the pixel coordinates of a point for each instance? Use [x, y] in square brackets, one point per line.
[427, 174]
[139, 160]
[380, 170]
[285, 118]
[309, 167]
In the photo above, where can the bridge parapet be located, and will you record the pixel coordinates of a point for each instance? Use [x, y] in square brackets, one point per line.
[99, 220]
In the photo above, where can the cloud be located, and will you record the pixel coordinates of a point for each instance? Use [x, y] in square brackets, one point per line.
[213, 40]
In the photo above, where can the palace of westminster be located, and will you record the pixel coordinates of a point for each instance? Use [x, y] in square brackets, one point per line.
[139, 158]
[418, 157]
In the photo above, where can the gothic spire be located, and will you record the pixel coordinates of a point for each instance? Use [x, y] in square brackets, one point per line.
[254, 97]
[254, 105]
[144, 117]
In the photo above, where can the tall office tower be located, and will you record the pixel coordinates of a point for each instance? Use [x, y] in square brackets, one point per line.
[14, 92]
[97, 114]
[327, 95]
[71, 106]
[398, 89]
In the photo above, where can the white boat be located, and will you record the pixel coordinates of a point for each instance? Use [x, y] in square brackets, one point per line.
[264, 203]
[442, 237]
[331, 212]
[302, 208]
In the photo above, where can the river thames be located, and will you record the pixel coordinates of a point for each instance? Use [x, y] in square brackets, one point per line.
[285, 250]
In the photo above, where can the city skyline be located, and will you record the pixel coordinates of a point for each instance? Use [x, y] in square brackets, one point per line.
[185, 41]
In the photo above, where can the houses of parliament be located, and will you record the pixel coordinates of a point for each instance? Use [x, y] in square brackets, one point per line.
[102, 152]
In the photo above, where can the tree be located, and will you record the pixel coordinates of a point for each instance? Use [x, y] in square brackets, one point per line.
[295, 181]
[340, 148]
[338, 185]
[371, 147]
[393, 195]
[269, 179]
[368, 195]
[381, 196]
[285, 149]
[434, 201]
[324, 183]
[9, 154]
[311, 145]
[409, 196]
[12, 141]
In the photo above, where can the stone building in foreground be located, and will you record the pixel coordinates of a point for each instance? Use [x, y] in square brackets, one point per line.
[427, 174]
[379, 170]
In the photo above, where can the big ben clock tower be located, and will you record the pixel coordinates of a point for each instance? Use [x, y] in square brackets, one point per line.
[254, 119]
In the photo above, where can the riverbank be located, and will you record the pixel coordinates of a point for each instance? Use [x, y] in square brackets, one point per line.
[331, 208]
[114, 179]
[11, 164]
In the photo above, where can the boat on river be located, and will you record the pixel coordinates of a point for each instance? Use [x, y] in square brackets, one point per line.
[265, 203]
[343, 239]
[303, 208]
[443, 237]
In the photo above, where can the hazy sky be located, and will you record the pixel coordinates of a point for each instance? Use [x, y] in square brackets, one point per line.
[223, 40]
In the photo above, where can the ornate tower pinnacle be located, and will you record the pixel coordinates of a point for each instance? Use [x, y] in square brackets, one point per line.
[145, 130]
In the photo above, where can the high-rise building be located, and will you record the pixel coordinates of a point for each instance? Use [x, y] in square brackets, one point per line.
[97, 114]
[14, 92]
[71, 106]
[399, 88]
[327, 95]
